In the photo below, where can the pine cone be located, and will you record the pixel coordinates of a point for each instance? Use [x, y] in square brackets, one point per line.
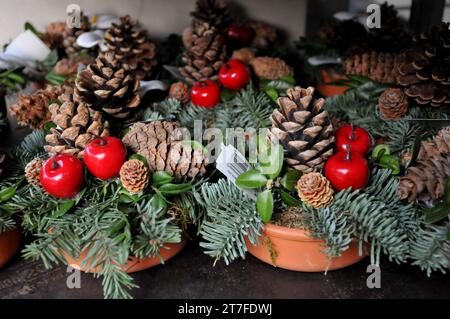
[244, 54]
[213, 12]
[265, 35]
[315, 190]
[76, 127]
[426, 180]
[393, 103]
[32, 110]
[54, 35]
[179, 91]
[204, 55]
[268, 68]
[109, 87]
[304, 129]
[424, 70]
[69, 66]
[32, 171]
[134, 176]
[71, 34]
[379, 67]
[131, 47]
[2, 162]
[160, 142]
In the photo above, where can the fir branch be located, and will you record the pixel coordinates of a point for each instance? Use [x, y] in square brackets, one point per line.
[167, 109]
[230, 218]
[32, 146]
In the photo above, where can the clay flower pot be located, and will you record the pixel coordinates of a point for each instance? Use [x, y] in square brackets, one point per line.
[297, 251]
[9, 244]
[134, 264]
[331, 90]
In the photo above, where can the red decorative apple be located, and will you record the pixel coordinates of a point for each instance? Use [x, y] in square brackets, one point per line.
[238, 35]
[347, 169]
[205, 94]
[104, 157]
[358, 139]
[62, 176]
[234, 75]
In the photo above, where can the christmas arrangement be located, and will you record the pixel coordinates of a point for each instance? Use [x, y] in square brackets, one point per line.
[137, 145]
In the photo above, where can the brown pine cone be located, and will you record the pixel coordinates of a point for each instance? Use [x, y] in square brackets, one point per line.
[69, 66]
[265, 35]
[244, 54]
[393, 103]
[134, 176]
[179, 91]
[379, 67]
[315, 190]
[213, 12]
[54, 35]
[32, 171]
[32, 110]
[268, 68]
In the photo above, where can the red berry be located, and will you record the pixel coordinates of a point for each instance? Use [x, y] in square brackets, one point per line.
[238, 35]
[234, 75]
[357, 137]
[104, 157]
[205, 94]
[347, 169]
[62, 176]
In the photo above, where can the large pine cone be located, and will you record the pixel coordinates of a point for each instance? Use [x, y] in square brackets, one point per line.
[160, 142]
[426, 180]
[425, 70]
[71, 34]
[213, 12]
[379, 67]
[109, 87]
[32, 110]
[268, 68]
[393, 103]
[76, 127]
[315, 190]
[205, 53]
[131, 47]
[304, 129]
[134, 176]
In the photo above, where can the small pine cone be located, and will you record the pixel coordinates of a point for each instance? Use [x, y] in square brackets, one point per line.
[134, 176]
[244, 54]
[393, 103]
[179, 91]
[315, 190]
[69, 66]
[32, 171]
[268, 68]
[53, 36]
[265, 35]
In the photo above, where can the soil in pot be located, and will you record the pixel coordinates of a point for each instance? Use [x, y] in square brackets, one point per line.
[284, 244]
[9, 244]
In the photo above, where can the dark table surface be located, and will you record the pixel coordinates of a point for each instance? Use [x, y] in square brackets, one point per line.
[191, 274]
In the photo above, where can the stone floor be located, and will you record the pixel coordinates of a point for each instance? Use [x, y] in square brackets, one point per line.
[191, 275]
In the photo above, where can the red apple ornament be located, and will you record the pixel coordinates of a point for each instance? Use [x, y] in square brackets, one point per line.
[104, 157]
[358, 139]
[234, 75]
[205, 94]
[347, 169]
[62, 176]
[238, 35]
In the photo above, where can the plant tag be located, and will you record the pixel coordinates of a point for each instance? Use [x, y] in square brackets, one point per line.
[323, 59]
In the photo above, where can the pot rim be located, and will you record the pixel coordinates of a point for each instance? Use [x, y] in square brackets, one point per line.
[294, 234]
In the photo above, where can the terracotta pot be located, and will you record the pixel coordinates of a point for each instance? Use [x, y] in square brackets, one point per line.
[297, 251]
[9, 244]
[331, 90]
[134, 264]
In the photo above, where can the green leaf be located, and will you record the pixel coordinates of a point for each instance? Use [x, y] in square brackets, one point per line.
[271, 164]
[415, 150]
[448, 233]
[124, 132]
[288, 79]
[51, 59]
[290, 179]
[264, 205]
[390, 162]
[379, 151]
[7, 193]
[437, 213]
[158, 203]
[16, 78]
[29, 26]
[251, 179]
[115, 228]
[175, 189]
[63, 208]
[48, 126]
[160, 178]
[227, 95]
[80, 195]
[125, 199]
[55, 79]
[272, 93]
[139, 158]
[288, 199]
[357, 78]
